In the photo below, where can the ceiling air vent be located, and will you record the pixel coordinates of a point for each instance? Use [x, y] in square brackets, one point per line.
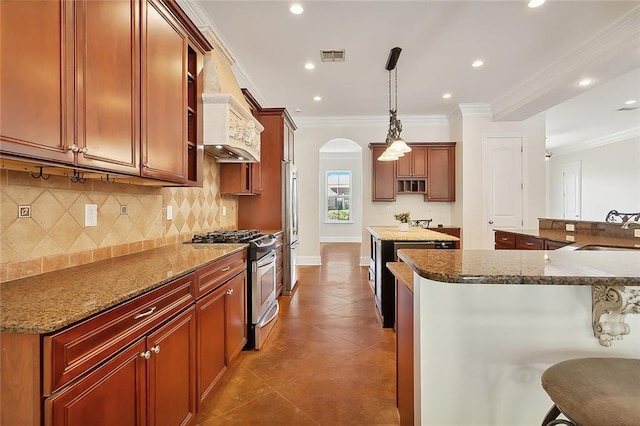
[332, 55]
[627, 108]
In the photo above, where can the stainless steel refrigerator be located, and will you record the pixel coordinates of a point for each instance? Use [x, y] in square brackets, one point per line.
[290, 226]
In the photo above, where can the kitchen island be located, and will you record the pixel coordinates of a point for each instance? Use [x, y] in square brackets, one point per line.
[385, 242]
[488, 323]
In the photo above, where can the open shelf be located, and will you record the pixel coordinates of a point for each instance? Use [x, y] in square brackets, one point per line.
[411, 186]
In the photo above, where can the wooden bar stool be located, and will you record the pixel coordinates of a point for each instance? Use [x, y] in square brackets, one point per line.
[594, 392]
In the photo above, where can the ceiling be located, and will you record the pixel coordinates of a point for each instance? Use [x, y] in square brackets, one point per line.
[533, 58]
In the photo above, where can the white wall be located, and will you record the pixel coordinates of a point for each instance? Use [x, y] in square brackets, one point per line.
[342, 161]
[313, 133]
[610, 179]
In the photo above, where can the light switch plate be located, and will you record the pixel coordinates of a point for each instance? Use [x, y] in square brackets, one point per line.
[570, 227]
[90, 215]
[636, 232]
[224, 210]
[169, 212]
[570, 238]
[24, 211]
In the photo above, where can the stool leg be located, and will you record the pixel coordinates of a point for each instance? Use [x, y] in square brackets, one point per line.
[551, 418]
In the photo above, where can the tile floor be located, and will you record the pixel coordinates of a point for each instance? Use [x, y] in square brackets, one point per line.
[327, 362]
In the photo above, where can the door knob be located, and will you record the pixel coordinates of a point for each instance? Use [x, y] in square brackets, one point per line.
[490, 222]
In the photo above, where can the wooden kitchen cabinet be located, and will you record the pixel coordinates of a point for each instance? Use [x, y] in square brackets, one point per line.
[152, 382]
[221, 319]
[404, 353]
[383, 173]
[505, 241]
[413, 164]
[526, 242]
[441, 165]
[554, 244]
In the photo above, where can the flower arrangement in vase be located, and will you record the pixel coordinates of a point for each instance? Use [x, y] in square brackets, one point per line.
[403, 218]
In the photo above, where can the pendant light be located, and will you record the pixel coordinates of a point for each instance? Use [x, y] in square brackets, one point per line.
[396, 147]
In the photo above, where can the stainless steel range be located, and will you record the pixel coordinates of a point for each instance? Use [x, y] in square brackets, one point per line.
[262, 303]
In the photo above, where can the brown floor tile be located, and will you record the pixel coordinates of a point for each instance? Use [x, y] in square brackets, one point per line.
[328, 360]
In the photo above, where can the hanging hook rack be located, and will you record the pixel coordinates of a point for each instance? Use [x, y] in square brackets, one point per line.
[77, 177]
[107, 180]
[40, 175]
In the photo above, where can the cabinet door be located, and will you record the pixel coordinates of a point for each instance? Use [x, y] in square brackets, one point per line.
[172, 371]
[164, 95]
[107, 82]
[113, 394]
[210, 311]
[404, 353]
[235, 178]
[505, 241]
[524, 242]
[419, 162]
[36, 79]
[384, 176]
[236, 316]
[405, 166]
[440, 173]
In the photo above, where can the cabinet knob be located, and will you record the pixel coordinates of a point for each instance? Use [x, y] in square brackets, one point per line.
[73, 148]
[490, 222]
[155, 349]
[230, 291]
[145, 354]
[85, 150]
[147, 165]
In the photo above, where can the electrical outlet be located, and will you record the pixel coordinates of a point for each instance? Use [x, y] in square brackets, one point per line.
[90, 215]
[24, 211]
[224, 210]
[636, 233]
[570, 227]
[570, 238]
[123, 210]
[169, 212]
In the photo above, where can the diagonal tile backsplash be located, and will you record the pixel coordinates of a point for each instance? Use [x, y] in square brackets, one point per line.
[54, 237]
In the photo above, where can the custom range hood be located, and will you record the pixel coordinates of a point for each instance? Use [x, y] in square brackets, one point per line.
[230, 132]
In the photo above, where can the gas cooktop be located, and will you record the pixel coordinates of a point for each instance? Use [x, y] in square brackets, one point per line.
[240, 236]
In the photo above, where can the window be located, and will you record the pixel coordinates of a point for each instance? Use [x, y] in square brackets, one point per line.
[338, 195]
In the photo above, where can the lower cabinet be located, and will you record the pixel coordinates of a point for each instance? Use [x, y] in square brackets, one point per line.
[151, 382]
[404, 353]
[514, 241]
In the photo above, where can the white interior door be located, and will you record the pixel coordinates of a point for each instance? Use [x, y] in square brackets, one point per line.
[572, 190]
[502, 184]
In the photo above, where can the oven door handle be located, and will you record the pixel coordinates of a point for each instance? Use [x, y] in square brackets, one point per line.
[270, 316]
[267, 259]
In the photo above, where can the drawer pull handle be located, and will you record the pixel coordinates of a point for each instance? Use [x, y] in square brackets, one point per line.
[230, 291]
[145, 314]
[145, 355]
[528, 244]
[155, 349]
[504, 239]
[226, 268]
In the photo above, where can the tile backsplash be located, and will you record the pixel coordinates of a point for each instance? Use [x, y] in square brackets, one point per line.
[54, 237]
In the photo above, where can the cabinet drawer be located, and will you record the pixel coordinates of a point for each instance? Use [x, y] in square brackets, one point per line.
[217, 273]
[524, 242]
[72, 352]
[554, 245]
[505, 241]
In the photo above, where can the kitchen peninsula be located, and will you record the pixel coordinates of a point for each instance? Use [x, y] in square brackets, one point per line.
[488, 323]
[385, 242]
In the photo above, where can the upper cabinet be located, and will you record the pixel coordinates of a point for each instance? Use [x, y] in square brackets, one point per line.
[429, 169]
[130, 109]
[37, 79]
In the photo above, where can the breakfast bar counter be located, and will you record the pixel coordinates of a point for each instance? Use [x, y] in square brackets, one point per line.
[488, 323]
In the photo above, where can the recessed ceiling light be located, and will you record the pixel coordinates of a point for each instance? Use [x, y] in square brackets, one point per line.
[309, 66]
[298, 110]
[477, 63]
[536, 3]
[630, 102]
[585, 82]
[296, 9]
[317, 98]
[446, 95]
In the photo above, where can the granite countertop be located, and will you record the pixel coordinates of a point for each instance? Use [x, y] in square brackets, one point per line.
[578, 239]
[51, 301]
[613, 268]
[403, 273]
[391, 233]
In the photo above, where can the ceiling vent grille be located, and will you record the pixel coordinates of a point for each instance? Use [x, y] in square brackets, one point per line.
[332, 55]
[627, 108]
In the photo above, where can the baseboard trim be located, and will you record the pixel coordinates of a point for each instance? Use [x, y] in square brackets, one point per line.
[341, 239]
[309, 260]
[365, 261]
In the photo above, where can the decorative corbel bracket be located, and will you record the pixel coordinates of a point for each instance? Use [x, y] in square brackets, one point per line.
[610, 307]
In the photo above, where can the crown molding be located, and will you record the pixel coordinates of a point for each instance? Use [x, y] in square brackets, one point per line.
[211, 31]
[475, 110]
[621, 136]
[614, 39]
[369, 121]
